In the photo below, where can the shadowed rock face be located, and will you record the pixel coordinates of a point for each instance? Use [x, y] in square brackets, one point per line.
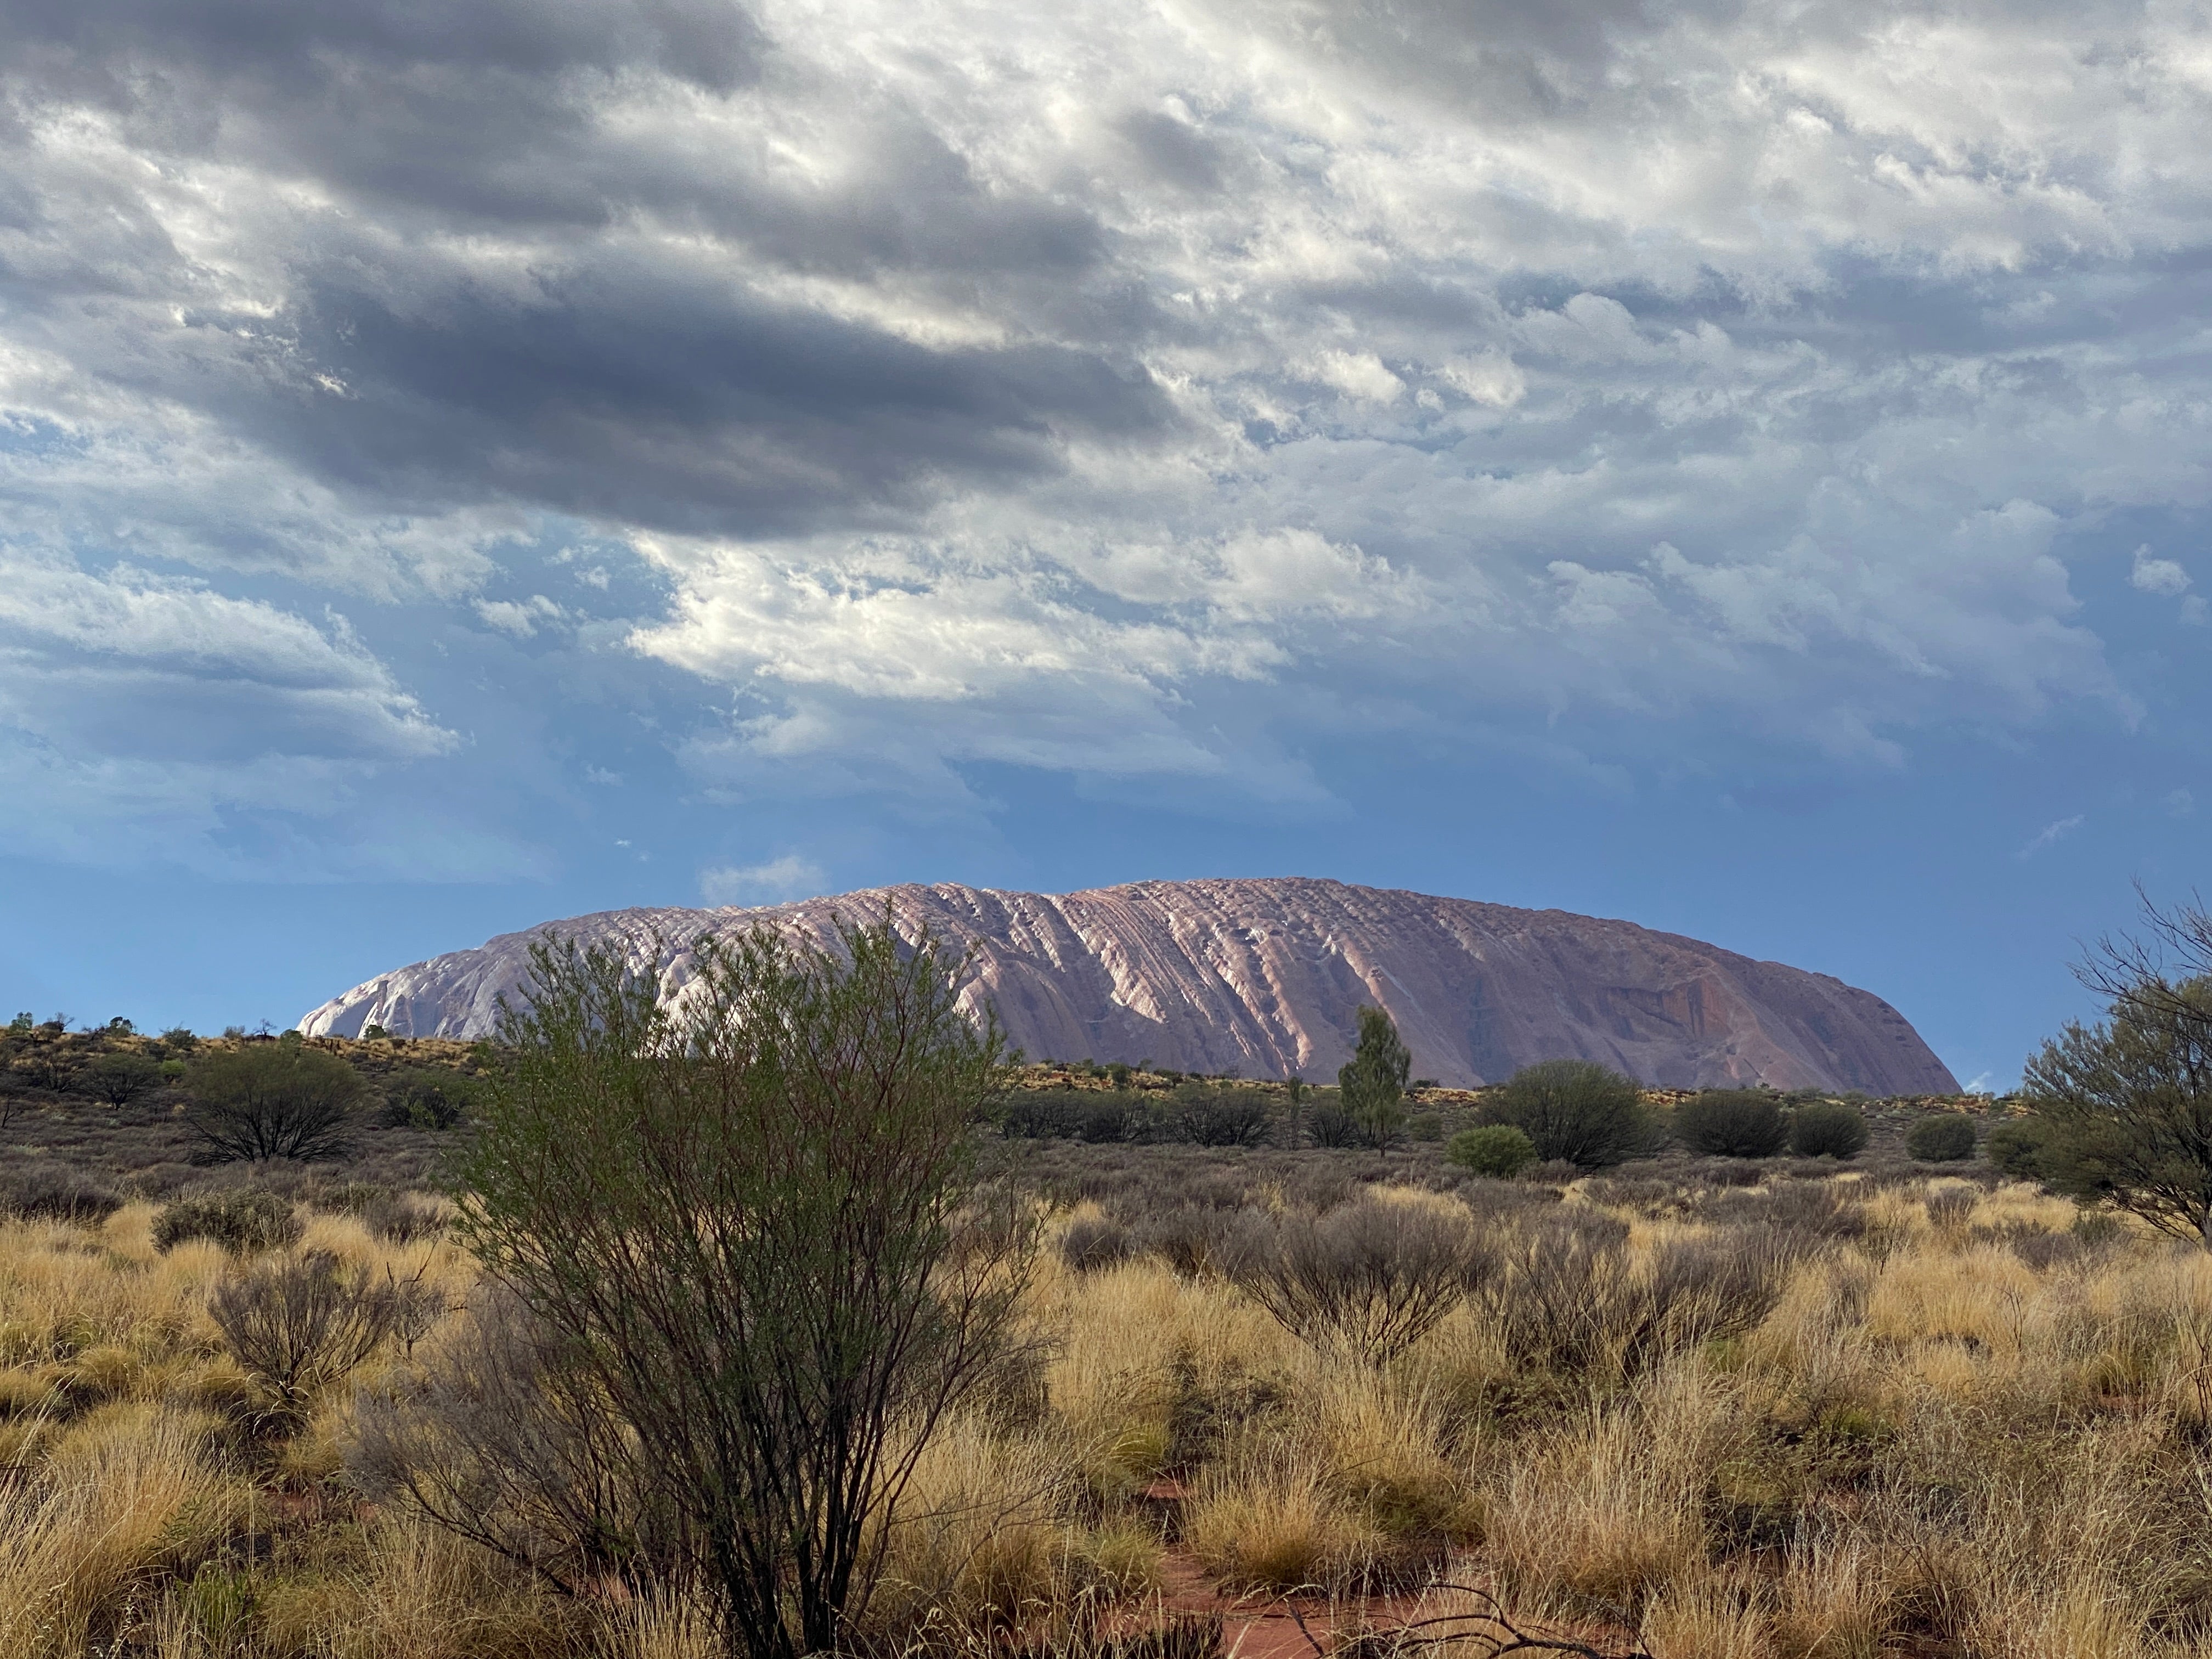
[1264, 976]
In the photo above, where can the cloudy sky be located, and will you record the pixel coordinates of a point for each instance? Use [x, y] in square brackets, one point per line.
[1740, 468]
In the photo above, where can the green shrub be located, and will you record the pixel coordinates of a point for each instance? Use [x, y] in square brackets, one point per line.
[1732, 1123]
[1212, 1117]
[1574, 1110]
[1942, 1139]
[1426, 1126]
[279, 1099]
[1828, 1131]
[241, 1222]
[2015, 1146]
[428, 1097]
[1371, 1084]
[1497, 1149]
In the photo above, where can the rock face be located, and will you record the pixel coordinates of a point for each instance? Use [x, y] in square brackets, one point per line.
[1264, 976]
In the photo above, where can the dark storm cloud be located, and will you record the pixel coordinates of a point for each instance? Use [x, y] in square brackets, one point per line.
[984, 382]
[301, 49]
[677, 406]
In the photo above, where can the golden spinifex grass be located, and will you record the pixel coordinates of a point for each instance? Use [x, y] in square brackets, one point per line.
[1961, 1423]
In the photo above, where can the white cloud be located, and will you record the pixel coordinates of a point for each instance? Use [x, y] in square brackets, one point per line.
[2160, 576]
[786, 877]
[522, 618]
[2050, 835]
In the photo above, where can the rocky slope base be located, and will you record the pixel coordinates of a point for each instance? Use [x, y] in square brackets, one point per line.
[1263, 977]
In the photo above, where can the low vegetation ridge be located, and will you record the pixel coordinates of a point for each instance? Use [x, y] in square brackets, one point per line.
[1265, 977]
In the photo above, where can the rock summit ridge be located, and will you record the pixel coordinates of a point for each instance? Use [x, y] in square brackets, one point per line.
[1263, 975]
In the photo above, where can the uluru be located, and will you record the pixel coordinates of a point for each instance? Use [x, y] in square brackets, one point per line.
[1264, 976]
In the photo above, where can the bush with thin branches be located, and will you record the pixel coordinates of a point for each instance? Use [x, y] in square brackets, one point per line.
[272, 1100]
[1369, 1277]
[302, 1325]
[751, 1215]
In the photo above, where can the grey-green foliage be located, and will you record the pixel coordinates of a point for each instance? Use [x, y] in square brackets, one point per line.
[1372, 1083]
[241, 1222]
[752, 1219]
[1496, 1150]
[1574, 1110]
[2015, 1148]
[1732, 1123]
[2121, 1110]
[1828, 1129]
[1945, 1138]
[429, 1097]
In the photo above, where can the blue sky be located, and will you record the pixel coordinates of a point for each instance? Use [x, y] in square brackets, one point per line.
[1741, 471]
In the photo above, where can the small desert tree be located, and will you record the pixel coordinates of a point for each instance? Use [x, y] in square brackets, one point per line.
[1372, 1083]
[272, 1100]
[2123, 1110]
[752, 1217]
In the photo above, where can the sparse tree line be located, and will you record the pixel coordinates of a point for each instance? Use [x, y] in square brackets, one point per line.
[246, 1097]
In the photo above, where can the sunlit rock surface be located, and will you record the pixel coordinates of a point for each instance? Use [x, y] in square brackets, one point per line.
[1263, 977]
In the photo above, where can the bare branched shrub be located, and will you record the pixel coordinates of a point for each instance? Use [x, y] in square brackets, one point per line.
[1545, 1299]
[300, 1327]
[1373, 1277]
[506, 1438]
[1569, 1298]
[1217, 1117]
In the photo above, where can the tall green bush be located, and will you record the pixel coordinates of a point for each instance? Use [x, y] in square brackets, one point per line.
[1945, 1139]
[1732, 1123]
[1371, 1084]
[1828, 1129]
[1574, 1110]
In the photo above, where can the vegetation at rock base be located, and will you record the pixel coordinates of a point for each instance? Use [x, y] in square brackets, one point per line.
[1574, 1111]
[1828, 1129]
[1944, 1138]
[1371, 1086]
[1681, 1397]
[1732, 1123]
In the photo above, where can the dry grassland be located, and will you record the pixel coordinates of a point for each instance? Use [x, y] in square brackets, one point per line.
[1939, 1418]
